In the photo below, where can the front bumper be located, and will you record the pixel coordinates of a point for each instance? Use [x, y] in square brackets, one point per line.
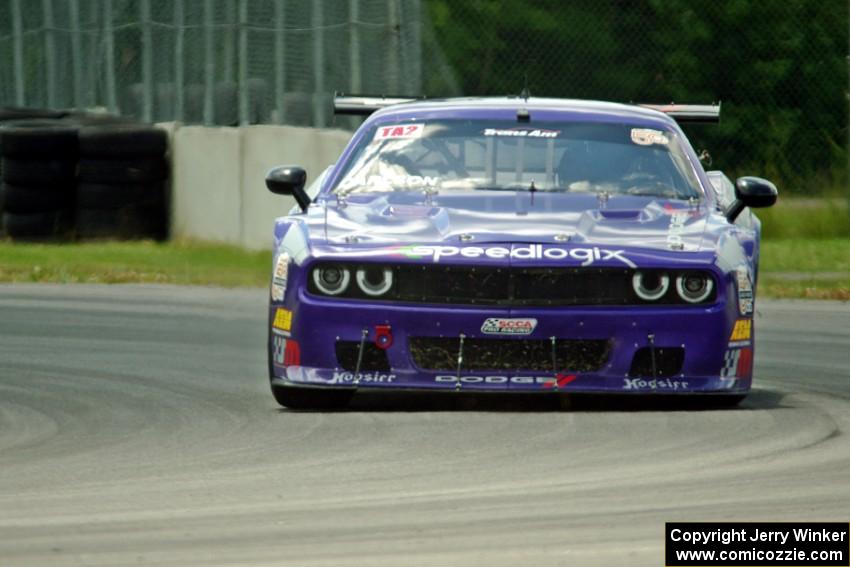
[703, 333]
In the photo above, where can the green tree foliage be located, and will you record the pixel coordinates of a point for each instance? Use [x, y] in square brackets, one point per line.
[779, 69]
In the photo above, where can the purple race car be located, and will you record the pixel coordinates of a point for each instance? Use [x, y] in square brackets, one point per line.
[514, 245]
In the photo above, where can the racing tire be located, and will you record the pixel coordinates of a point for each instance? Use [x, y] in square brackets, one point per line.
[120, 171]
[20, 199]
[38, 171]
[123, 141]
[37, 225]
[38, 138]
[110, 197]
[21, 112]
[307, 398]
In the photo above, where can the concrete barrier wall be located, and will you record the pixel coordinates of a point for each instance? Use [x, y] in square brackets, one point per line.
[218, 189]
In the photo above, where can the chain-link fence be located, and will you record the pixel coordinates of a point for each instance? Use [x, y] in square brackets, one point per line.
[209, 61]
[779, 68]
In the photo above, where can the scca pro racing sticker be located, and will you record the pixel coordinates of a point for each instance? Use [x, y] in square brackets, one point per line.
[585, 256]
[497, 326]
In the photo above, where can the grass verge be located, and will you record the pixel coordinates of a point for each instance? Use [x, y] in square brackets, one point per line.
[806, 218]
[183, 263]
[814, 269]
[806, 288]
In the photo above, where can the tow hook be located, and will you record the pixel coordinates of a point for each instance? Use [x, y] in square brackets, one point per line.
[383, 336]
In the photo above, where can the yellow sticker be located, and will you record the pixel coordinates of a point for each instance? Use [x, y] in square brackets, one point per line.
[742, 331]
[282, 319]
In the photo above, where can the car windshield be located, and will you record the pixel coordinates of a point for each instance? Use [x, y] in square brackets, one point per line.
[486, 155]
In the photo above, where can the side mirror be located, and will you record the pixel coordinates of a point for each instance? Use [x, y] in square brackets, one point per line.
[752, 192]
[289, 180]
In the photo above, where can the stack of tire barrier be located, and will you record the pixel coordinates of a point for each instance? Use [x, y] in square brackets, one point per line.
[7, 116]
[121, 185]
[39, 159]
[95, 173]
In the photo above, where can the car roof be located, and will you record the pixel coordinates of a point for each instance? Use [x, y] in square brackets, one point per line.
[507, 107]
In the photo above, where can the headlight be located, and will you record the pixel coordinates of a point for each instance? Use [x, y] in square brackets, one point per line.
[375, 281]
[650, 286]
[694, 287]
[331, 279]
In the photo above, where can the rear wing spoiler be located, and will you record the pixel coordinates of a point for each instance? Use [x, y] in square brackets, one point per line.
[689, 113]
[364, 105]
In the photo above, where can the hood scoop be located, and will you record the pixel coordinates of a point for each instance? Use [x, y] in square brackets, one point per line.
[409, 211]
[620, 215]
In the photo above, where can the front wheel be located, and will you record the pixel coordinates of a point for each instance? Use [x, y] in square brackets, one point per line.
[307, 398]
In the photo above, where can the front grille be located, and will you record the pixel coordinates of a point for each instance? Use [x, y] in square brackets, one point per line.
[430, 353]
[668, 362]
[515, 286]
[509, 286]
[374, 358]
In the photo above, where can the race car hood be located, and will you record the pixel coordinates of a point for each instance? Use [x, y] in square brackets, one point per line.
[399, 218]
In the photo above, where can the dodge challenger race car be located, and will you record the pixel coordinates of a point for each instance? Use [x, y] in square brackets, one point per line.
[514, 245]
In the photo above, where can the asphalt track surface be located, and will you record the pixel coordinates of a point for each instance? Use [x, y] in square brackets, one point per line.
[136, 426]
